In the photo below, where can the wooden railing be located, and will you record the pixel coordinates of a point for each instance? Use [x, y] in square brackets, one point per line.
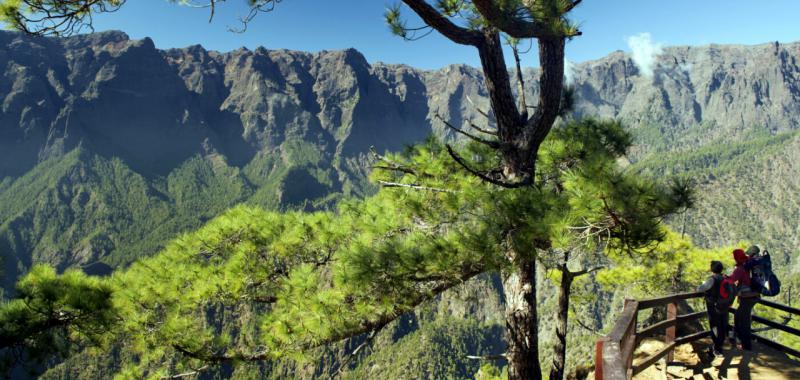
[614, 352]
[791, 311]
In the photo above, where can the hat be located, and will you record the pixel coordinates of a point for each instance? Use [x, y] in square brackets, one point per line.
[739, 256]
[753, 250]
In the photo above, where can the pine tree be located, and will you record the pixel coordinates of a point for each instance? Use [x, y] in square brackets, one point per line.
[294, 281]
[485, 207]
[53, 314]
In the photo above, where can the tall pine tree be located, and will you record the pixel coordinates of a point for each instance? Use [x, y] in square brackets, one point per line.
[484, 207]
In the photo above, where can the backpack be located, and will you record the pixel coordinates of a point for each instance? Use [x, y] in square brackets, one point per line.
[763, 278]
[712, 295]
[727, 293]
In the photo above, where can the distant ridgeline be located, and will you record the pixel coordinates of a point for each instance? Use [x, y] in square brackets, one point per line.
[110, 148]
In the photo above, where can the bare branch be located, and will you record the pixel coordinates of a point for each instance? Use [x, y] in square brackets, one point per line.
[221, 358]
[256, 7]
[578, 320]
[586, 271]
[393, 165]
[489, 143]
[523, 106]
[187, 374]
[483, 176]
[481, 130]
[413, 186]
[398, 169]
[488, 357]
[367, 342]
[480, 111]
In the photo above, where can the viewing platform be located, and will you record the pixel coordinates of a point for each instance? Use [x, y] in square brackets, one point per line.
[654, 351]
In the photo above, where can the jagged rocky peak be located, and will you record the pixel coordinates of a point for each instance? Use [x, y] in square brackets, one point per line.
[95, 40]
[157, 107]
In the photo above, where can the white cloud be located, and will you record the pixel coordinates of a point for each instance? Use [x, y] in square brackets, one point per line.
[569, 72]
[644, 52]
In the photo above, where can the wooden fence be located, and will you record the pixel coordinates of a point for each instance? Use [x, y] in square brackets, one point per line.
[614, 352]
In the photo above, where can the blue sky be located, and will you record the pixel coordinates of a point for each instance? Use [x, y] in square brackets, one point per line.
[314, 25]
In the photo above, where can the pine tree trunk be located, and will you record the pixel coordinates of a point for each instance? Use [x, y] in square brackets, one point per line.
[522, 322]
[560, 347]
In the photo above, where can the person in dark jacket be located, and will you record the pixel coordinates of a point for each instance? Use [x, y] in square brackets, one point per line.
[717, 313]
[742, 319]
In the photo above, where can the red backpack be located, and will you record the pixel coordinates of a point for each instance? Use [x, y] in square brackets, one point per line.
[727, 292]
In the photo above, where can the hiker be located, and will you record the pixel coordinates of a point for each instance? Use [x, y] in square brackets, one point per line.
[742, 319]
[717, 310]
[763, 279]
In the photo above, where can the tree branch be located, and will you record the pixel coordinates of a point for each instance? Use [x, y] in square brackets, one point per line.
[187, 374]
[221, 358]
[498, 85]
[523, 106]
[349, 358]
[572, 6]
[586, 271]
[551, 84]
[484, 177]
[414, 186]
[515, 26]
[489, 143]
[481, 130]
[488, 357]
[480, 111]
[442, 24]
[393, 165]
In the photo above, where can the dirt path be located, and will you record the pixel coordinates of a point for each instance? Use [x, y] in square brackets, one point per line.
[762, 363]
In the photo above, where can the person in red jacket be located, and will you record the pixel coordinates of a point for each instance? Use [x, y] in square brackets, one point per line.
[748, 298]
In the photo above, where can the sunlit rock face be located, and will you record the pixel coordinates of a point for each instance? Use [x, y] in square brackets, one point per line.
[154, 108]
[281, 128]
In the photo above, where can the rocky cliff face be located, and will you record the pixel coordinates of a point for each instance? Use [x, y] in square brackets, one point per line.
[153, 108]
[286, 127]
[697, 94]
[109, 147]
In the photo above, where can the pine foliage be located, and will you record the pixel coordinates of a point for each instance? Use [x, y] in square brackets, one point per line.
[53, 315]
[293, 281]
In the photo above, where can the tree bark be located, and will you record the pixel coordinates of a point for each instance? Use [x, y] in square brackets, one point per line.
[522, 322]
[560, 346]
[519, 140]
[551, 85]
[498, 85]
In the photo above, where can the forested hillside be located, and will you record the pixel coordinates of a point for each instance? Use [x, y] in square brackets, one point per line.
[110, 148]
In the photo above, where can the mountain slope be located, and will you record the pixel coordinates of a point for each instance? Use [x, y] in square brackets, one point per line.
[298, 126]
[109, 148]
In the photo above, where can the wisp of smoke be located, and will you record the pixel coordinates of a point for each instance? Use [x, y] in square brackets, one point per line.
[644, 52]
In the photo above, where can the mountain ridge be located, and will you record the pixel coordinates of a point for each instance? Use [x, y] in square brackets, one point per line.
[220, 106]
[297, 127]
[110, 148]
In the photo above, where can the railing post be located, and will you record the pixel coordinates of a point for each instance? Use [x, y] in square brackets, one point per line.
[630, 342]
[598, 358]
[672, 313]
